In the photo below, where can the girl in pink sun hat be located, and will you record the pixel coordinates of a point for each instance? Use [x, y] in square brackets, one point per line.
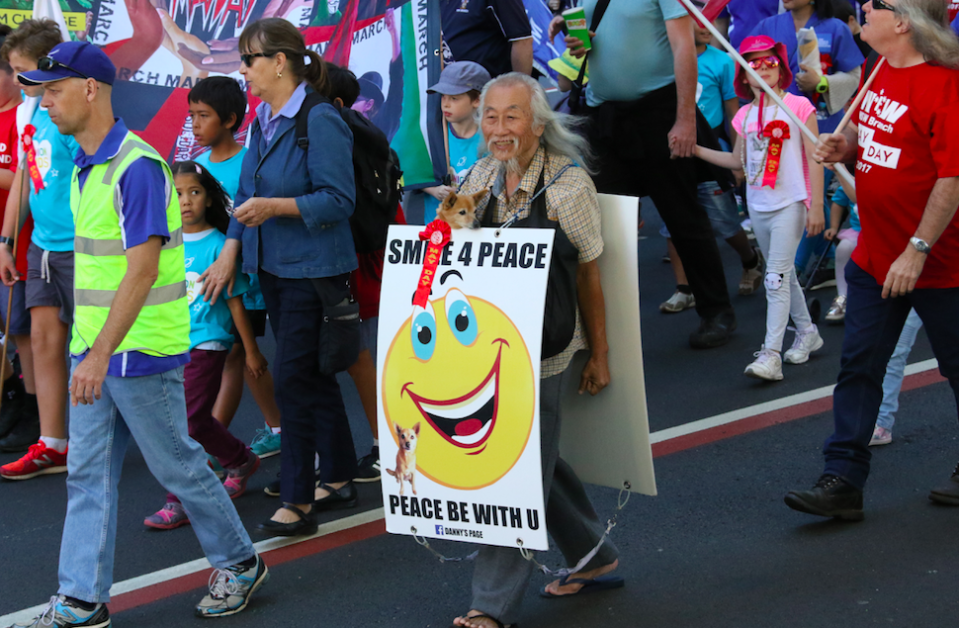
[784, 191]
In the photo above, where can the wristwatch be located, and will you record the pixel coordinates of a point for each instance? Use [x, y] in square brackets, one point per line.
[823, 86]
[7, 241]
[920, 245]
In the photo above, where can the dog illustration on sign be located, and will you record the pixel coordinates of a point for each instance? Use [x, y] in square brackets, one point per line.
[406, 457]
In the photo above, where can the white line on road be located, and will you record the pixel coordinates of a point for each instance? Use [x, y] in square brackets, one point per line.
[177, 571]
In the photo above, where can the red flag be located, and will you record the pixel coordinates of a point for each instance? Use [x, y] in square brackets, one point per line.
[710, 8]
[338, 50]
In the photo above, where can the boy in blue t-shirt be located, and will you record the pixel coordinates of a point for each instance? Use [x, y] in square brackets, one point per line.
[460, 84]
[217, 108]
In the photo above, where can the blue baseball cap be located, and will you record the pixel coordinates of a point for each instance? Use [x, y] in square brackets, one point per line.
[72, 59]
[460, 77]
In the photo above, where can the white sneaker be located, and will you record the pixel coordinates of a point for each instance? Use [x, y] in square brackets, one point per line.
[837, 310]
[677, 303]
[880, 436]
[768, 366]
[805, 343]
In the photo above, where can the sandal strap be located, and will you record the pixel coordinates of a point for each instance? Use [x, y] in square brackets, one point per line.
[499, 624]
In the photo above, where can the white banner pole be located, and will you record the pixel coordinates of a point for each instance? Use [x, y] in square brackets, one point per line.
[695, 12]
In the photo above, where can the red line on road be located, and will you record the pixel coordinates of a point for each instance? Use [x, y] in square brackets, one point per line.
[768, 419]
[191, 582]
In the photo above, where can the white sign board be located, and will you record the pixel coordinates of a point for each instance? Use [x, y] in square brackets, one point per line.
[458, 387]
[606, 438]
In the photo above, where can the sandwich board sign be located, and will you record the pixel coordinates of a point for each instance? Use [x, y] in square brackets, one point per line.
[458, 384]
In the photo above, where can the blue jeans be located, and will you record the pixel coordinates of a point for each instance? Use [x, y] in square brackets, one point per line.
[152, 410]
[720, 207]
[873, 328]
[892, 382]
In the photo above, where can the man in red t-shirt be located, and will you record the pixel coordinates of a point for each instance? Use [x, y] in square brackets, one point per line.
[905, 144]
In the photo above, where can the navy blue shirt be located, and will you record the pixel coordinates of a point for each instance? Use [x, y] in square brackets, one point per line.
[482, 31]
[144, 191]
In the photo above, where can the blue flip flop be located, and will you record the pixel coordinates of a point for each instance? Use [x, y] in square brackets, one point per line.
[602, 583]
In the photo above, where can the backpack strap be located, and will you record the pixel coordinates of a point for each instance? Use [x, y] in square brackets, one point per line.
[302, 118]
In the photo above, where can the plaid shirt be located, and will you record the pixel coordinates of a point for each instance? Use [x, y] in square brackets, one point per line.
[571, 200]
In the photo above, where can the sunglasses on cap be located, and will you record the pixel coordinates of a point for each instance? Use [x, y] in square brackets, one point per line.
[771, 62]
[49, 63]
[883, 6]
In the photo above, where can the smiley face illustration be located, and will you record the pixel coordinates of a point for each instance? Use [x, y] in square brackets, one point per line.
[461, 367]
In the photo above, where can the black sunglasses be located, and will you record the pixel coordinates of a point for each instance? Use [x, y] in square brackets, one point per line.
[248, 58]
[879, 4]
[49, 63]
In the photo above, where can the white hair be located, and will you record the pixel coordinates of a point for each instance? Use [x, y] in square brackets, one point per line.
[560, 136]
[929, 31]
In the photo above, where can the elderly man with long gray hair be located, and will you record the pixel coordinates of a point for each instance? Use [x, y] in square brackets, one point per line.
[905, 144]
[534, 149]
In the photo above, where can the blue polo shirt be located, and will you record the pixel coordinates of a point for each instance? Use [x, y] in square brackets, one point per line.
[837, 50]
[744, 15]
[52, 218]
[483, 31]
[631, 55]
[144, 189]
[955, 24]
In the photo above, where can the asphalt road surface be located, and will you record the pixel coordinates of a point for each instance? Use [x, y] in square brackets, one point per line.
[716, 548]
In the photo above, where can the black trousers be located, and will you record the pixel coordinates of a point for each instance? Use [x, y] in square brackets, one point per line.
[312, 413]
[631, 145]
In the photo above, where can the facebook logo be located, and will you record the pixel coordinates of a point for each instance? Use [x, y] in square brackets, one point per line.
[439, 530]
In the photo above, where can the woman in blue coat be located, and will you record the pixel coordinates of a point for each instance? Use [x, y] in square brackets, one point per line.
[840, 58]
[292, 220]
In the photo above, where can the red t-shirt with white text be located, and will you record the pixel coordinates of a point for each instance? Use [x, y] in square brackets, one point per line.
[8, 161]
[908, 139]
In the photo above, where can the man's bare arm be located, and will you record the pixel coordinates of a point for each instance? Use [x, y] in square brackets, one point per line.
[592, 307]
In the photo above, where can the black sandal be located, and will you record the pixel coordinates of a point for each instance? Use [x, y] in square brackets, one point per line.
[304, 526]
[343, 497]
[498, 623]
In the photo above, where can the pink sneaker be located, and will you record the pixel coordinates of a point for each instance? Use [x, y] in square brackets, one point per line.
[880, 436]
[236, 479]
[169, 517]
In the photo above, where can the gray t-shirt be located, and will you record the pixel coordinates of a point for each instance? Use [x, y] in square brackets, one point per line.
[631, 54]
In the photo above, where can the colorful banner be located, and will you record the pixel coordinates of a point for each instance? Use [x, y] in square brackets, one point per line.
[458, 387]
[163, 47]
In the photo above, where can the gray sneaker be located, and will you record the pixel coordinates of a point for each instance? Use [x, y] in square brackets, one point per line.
[62, 613]
[231, 588]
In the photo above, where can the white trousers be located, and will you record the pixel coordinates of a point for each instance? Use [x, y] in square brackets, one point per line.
[843, 254]
[779, 233]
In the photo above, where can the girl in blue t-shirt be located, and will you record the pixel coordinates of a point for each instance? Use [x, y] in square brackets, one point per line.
[203, 208]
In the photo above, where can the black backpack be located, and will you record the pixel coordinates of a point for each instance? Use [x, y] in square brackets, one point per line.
[376, 168]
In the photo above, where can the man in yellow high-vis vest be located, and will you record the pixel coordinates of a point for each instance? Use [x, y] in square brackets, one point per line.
[130, 342]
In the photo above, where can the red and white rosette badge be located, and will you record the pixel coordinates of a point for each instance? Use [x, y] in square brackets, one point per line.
[777, 132]
[30, 151]
[437, 236]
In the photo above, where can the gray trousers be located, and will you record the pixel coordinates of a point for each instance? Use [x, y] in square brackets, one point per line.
[502, 574]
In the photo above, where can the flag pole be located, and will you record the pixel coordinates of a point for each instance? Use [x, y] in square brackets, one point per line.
[695, 12]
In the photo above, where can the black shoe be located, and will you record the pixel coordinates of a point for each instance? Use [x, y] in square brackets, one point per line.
[823, 278]
[12, 409]
[713, 331]
[948, 493]
[343, 497]
[830, 497]
[368, 467]
[26, 432]
[273, 488]
[304, 526]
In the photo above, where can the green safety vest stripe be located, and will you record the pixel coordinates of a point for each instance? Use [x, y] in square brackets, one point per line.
[157, 296]
[103, 247]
